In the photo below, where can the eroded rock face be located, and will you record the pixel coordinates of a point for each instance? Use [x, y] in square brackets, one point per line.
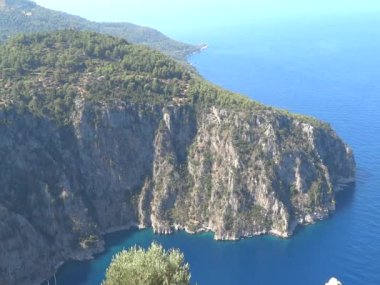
[236, 173]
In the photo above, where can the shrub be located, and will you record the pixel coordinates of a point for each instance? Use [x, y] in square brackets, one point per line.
[153, 266]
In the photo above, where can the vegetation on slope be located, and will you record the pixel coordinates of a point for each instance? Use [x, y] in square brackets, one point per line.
[24, 16]
[46, 72]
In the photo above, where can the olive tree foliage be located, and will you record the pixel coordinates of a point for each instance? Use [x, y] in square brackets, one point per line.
[154, 266]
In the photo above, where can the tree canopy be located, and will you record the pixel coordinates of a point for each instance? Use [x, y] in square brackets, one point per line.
[154, 266]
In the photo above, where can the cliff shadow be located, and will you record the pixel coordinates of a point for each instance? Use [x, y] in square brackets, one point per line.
[345, 197]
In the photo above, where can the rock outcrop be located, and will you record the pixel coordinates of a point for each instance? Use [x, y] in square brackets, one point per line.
[237, 171]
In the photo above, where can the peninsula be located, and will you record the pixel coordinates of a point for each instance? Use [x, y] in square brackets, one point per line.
[97, 134]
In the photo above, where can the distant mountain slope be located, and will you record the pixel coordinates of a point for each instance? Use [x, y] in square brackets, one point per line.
[24, 16]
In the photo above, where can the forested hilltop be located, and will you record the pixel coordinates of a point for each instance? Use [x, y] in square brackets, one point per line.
[97, 134]
[45, 73]
[24, 16]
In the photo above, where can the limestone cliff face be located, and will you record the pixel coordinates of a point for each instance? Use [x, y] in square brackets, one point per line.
[236, 173]
[244, 173]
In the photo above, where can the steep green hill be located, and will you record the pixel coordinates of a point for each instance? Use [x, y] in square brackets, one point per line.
[97, 134]
[46, 72]
[24, 16]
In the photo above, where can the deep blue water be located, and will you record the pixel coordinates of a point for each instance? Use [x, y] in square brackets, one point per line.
[326, 68]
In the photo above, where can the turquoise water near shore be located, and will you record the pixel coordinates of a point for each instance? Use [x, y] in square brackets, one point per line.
[327, 68]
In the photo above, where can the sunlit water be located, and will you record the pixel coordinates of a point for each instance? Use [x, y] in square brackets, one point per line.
[327, 69]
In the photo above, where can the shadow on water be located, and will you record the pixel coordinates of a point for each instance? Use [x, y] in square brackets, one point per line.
[345, 197]
[117, 238]
[363, 175]
[75, 272]
[344, 200]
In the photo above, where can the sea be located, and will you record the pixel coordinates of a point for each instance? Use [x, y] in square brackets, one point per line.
[328, 68]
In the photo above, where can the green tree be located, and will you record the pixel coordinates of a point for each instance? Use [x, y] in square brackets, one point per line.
[153, 266]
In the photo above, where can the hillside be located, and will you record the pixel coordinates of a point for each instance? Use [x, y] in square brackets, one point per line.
[97, 134]
[24, 16]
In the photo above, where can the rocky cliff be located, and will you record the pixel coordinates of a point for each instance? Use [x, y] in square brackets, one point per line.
[202, 159]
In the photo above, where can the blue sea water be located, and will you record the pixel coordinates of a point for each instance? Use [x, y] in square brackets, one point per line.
[327, 68]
